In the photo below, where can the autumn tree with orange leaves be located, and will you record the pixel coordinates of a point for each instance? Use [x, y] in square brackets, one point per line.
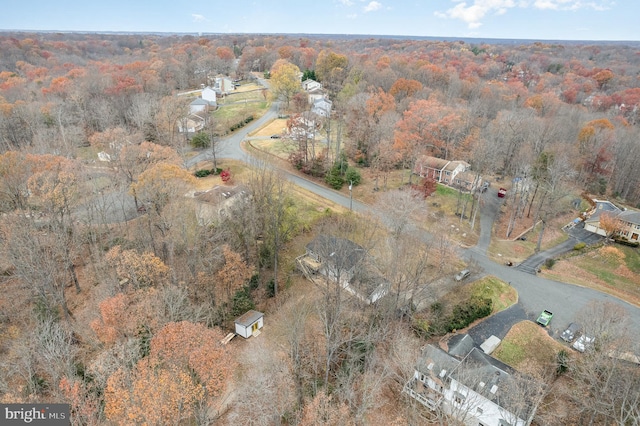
[610, 223]
[140, 270]
[427, 127]
[187, 368]
[233, 275]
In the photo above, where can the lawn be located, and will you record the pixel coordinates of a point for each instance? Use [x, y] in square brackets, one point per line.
[612, 269]
[237, 112]
[528, 348]
[501, 294]
[274, 127]
[515, 250]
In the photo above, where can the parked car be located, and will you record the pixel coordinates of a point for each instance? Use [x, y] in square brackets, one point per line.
[544, 318]
[502, 192]
[275, 136]
[571, 332]
[462, 275]
[583, 343]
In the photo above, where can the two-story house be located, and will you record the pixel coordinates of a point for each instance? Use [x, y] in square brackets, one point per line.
[628, 221]
[310, 85]
[223, 85]
[472, 387]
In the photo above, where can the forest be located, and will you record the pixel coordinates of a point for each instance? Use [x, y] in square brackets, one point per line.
[116, 297]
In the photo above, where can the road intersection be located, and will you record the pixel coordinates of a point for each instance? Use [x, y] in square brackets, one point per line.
[535, 293]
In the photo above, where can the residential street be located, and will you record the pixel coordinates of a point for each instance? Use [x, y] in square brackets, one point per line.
[535, 293]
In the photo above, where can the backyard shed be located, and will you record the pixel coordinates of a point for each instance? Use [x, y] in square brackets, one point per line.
[249, 324]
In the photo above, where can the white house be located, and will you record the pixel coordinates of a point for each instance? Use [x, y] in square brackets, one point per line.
[249, 324]
[629, 225]
[209, 95]
[322, 107]
[198, 105]
[475, 389]
[310, 85]
[223, 85]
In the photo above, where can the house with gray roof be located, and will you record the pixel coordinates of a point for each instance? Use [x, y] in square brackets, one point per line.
[345, 263]
[471, 387]
[628, 220]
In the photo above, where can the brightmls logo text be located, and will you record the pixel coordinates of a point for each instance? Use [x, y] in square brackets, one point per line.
[34, 414]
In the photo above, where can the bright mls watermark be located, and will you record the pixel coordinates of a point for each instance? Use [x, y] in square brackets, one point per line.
[35, 414]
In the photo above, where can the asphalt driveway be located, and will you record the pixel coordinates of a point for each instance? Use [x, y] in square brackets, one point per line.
[577, 234]
[498, 325]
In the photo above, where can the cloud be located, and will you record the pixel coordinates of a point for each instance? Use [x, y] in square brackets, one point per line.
[352, 16]
[372, 6]
[198, 18]
[474, 11]
[346, 2]
[573, 4]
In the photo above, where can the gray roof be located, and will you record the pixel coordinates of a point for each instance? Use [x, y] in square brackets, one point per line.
[342, 253]
[631, 216]
[199, 101]
[249, 318]
[460, 345]
[434, 360]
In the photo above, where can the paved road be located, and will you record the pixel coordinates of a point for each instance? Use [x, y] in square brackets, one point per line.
[535, 293]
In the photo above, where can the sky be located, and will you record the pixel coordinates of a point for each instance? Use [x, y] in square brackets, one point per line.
[611, 20]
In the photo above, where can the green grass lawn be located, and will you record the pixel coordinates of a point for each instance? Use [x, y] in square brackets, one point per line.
[528, 348]
[501, 294]
[613, 269]
[240, 111]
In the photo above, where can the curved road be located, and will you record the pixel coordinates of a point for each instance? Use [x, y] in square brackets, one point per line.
[535, 293]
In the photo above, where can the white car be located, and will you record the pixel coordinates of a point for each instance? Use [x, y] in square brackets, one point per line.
[583, 343]
[462, 275]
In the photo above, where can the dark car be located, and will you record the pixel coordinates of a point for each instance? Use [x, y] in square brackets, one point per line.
[571, 332]
[275, 136]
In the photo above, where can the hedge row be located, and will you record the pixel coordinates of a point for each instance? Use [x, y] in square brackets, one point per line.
[242, 123]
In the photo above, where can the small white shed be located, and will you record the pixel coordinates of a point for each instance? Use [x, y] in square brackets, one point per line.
[490, 344]
[249, 323]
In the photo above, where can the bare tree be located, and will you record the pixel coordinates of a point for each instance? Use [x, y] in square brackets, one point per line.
[270, 191]
[606, 377]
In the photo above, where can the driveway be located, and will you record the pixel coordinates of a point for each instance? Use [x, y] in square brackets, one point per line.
[535, 293]
[498, 325]
[577, 234]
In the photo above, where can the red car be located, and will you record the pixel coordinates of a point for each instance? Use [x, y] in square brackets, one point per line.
[502, 192]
